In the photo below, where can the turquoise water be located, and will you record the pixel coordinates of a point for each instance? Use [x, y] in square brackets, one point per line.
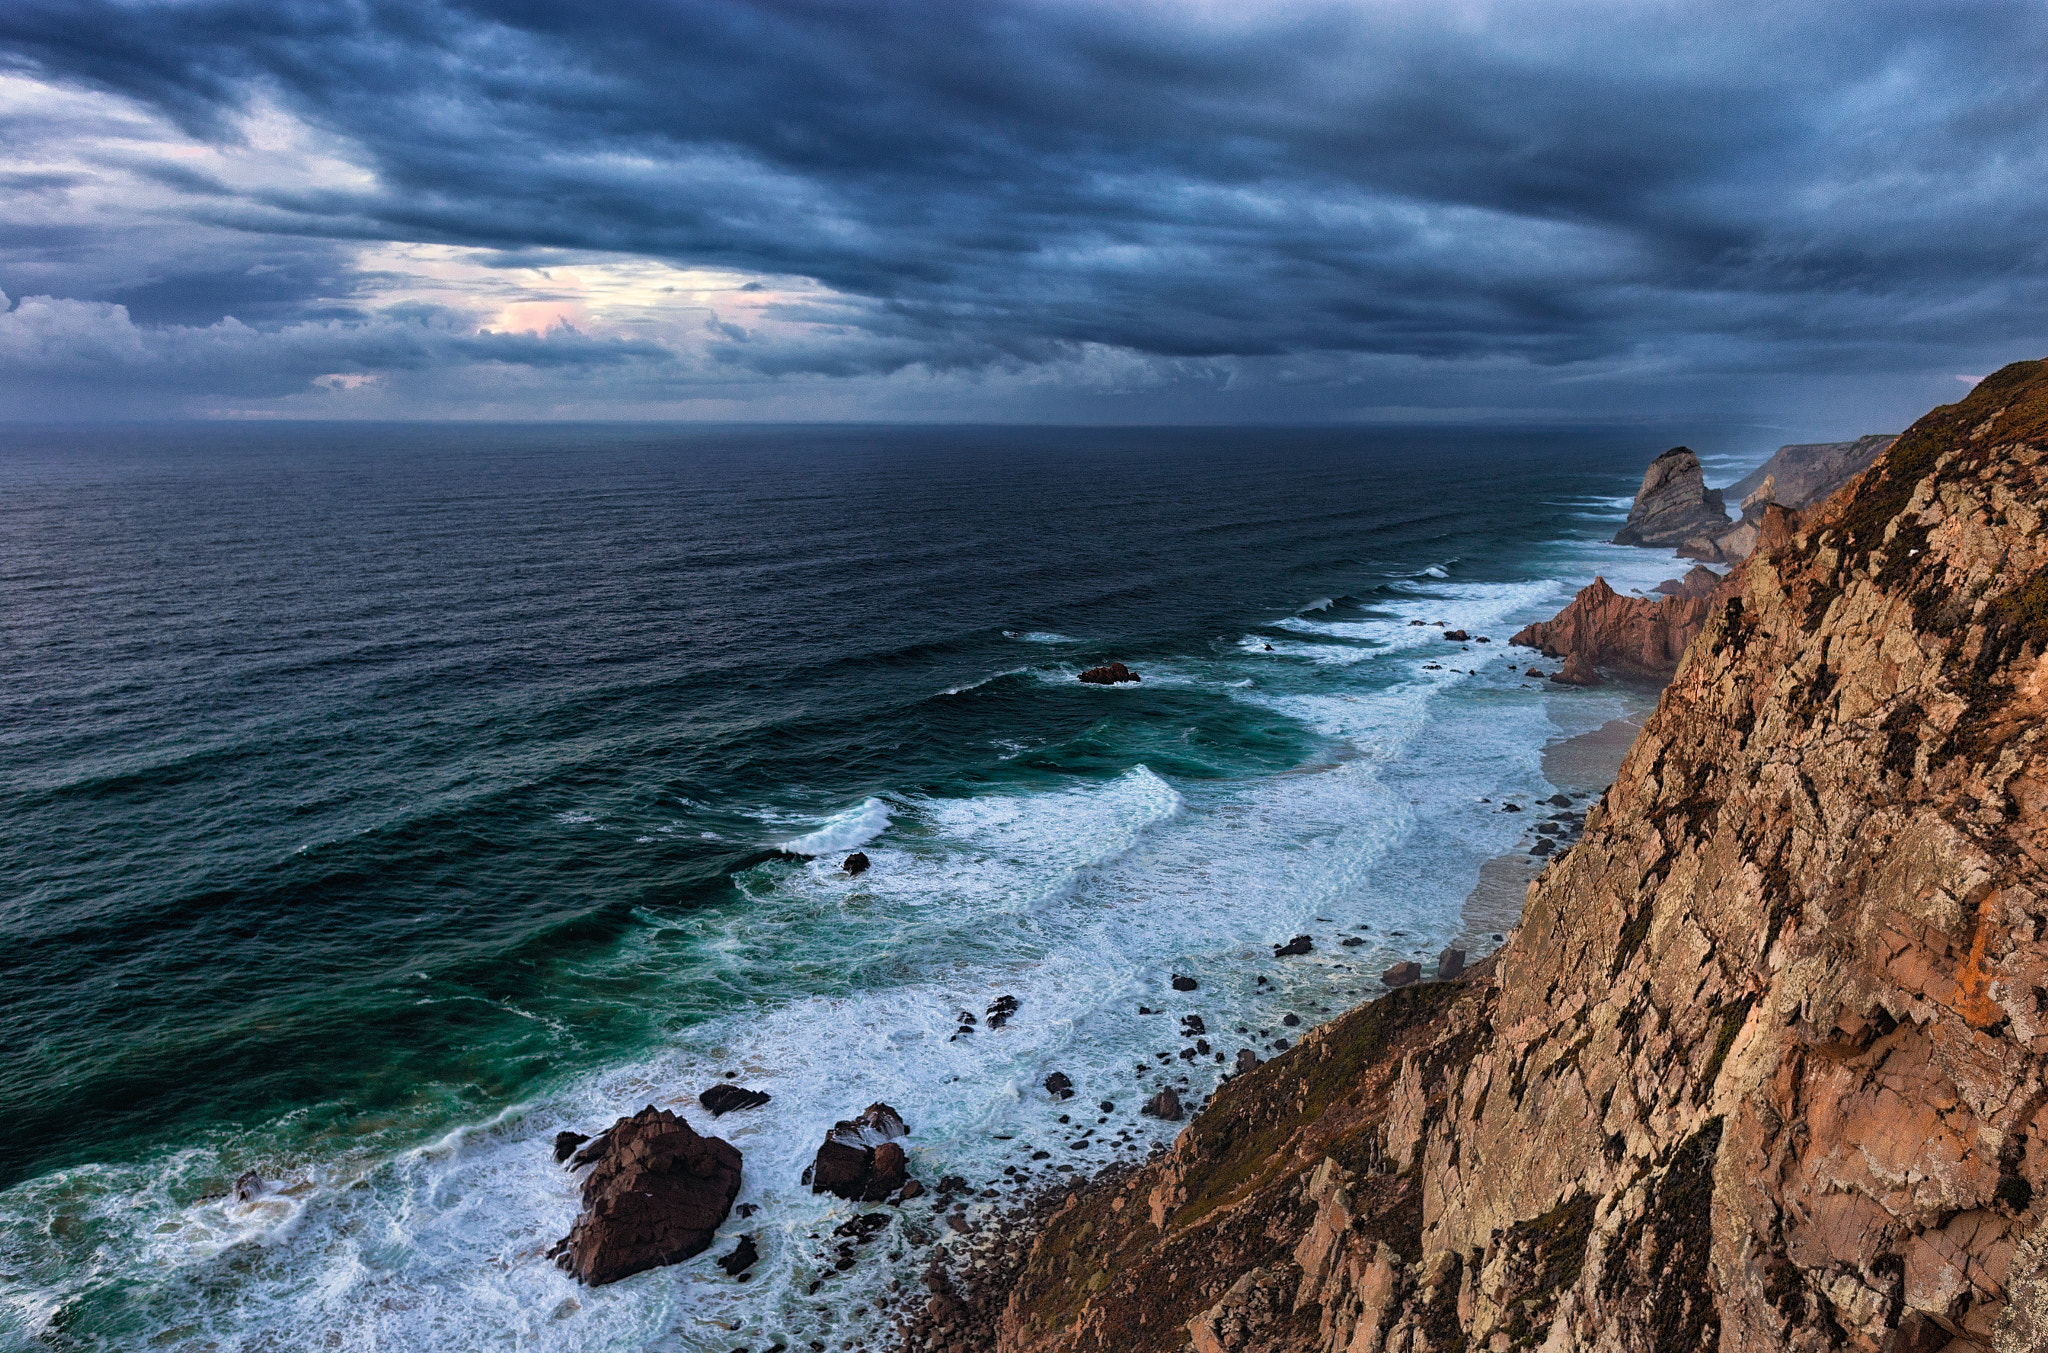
[384, 800]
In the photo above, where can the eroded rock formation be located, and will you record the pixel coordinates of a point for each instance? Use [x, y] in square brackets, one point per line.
[1674, 504]
[658, 1193]
[1763, 1065]
[1638, 635]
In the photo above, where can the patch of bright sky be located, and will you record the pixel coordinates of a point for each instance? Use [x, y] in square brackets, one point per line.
[607, 295]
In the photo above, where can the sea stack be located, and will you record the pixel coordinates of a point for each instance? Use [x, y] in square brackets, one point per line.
[1674, 504]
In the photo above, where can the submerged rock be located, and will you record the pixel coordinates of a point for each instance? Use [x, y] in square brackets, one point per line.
[658, 1194]
[1109, 674]
[856, 863]
[249, 1185]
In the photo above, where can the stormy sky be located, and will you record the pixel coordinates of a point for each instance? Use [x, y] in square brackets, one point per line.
[1814, 218]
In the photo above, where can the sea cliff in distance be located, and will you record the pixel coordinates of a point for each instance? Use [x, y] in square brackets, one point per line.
[1760, 1068]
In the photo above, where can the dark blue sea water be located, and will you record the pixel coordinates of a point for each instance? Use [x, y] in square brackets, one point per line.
[382, 800]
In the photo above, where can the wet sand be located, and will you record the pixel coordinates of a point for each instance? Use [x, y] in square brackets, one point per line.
[1586, 764]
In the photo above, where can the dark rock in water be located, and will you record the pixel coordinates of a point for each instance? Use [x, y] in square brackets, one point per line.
[725, 1098]
[248, 1185]
[1456, 636]
[1107, 1106]
[743, 1257]
[1300, 944]
[566, 1144]
[1558, 801]
[1450, 963]
[592, 1151]
[1291, 1021]
[1402, 974]
[912, 1189]
[860, 1160]
[1511, 808]
[656, 1197]
[840, 1169]
[1109, 674]
[1351, 941]
[1184, 983]
[856, 863]
[877, 1123]
[1165, 1104]
[1543, 847]
[888, 1172]
[1246, 1060]
[1059, 1085]
[1192, 1025]
[999, 1013]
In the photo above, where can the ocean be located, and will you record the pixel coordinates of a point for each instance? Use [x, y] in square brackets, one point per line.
[382, 800]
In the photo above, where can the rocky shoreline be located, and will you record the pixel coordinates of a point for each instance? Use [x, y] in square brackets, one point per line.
[1762, 1065]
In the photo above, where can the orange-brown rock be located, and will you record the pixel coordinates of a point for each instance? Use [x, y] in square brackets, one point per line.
[1637, 635]
[1765, 1064]
[657, 1195]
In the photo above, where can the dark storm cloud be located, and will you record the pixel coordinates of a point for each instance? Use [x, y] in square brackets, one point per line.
[1783, 186]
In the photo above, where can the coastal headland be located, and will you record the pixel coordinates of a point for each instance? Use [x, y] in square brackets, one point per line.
[1760, 1067]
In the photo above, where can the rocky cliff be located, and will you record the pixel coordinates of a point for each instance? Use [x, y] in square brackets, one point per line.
[1810, 472]
[1761, 1067]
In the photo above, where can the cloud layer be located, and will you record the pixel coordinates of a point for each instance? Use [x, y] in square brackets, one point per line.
[1080, 209]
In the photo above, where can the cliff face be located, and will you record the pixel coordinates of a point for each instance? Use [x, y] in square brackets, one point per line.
[1762, 1067]
[1809, 472]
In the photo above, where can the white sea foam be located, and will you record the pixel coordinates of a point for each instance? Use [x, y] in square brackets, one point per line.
[1039, 637]
[847, 830]
[1081, 900]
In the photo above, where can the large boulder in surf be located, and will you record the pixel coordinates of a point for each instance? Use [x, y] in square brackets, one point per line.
[726, 1097]
[657, 1195]
[1674, 504]
[1109, 674]
[860, 1160]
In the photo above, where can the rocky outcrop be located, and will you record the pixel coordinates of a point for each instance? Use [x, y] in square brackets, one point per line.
[1811, 472]
[1674, 504]
[658, 1193]
[1637, 635]
[1765, 1064]
[724, 1098]
[860, 1160]
[1109, 674]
